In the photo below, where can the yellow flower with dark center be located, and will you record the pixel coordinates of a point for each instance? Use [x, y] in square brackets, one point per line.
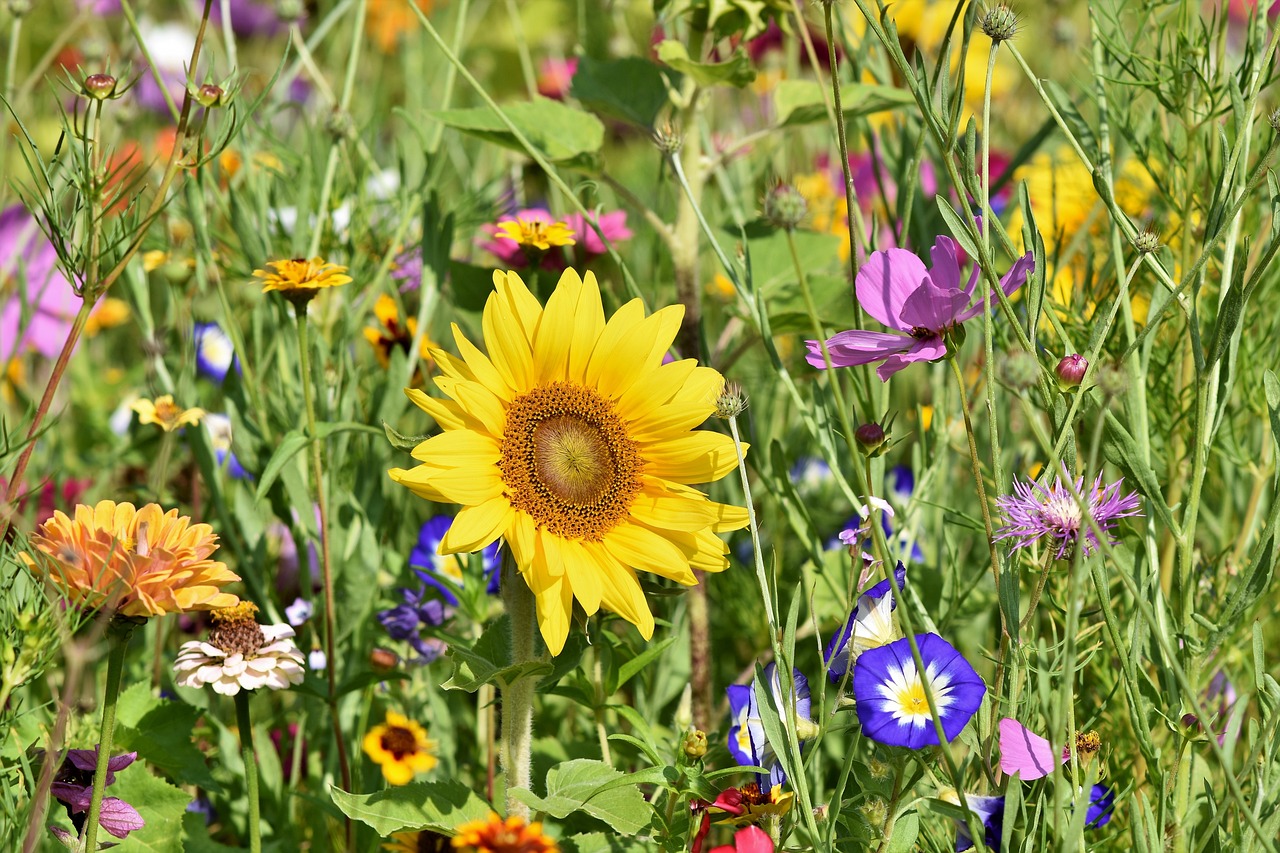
[422, 841]
[299, 274]
[142, 562]
[496, 835]
[534, 232]
[392, 333]
[401, 748]
[574, 442]
[166, 414]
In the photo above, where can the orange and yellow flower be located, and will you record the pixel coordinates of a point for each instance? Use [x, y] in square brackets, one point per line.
[392, 333]
[574, 442]
[401, 748]
[496, 835]
[141, 562]
[298, 275]
[166, 414]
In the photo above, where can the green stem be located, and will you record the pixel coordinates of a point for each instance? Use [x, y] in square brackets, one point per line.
[331, 167]
[118, 643]
[857, 228]
[517, 697]
[522, 50]
[250, 770]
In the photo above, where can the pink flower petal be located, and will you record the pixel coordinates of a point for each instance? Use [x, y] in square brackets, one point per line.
[1024, 752]
[884, 283]
[119, 818]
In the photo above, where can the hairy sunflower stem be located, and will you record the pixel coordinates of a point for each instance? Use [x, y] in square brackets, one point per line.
[250, 770]
[118, 635]
[517, 696]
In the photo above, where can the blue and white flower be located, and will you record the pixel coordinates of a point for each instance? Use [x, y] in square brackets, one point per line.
[747, 741]
[890, 692]
[432, 566]
[214, 352]
[219, 427]
[990, 813]
[869, 626]
[1102, 801]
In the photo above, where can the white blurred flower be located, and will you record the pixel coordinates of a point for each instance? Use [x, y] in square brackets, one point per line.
[316, 660]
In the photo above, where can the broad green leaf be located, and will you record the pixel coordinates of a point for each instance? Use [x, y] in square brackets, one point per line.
[598, 842]
[802, 101]
[160, 731]
[595, 788]
[293, 441]
[737, 71]
[905, 831]
[438, 806]
[489, 661]
[632, 89]
[161, 805]
[196, 836]
[558, 131]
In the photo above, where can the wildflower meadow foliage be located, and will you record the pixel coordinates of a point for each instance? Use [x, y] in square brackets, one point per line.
[567, 426]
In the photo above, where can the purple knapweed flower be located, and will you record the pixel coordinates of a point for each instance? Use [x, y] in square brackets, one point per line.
[73, 787]
[919, 305]
[1036, 512]
[405, 622]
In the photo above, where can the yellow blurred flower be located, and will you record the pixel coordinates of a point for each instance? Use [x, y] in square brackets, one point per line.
[421, 841]
[108, 313]
[401, 748]
[166, 414]
[720, 288]
[496, 835]
[300, 276]
[533, 232]
[392, 333]
[143, 562]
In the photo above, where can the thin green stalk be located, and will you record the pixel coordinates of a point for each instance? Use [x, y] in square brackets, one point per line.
[127, 8]
[250, 770]
[517, 696]
[228, 34]
[344, 103]
[857, 228]
[522, 49]
[11, 62]
[118, 635]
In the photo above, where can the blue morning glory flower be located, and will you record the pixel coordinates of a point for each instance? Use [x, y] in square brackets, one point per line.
[869, 626]
[214, 352]
[902, 482]
[431, 565]
[1101, 806]
[890, 695]
[990, 812]
[747, 741]
[219, 427]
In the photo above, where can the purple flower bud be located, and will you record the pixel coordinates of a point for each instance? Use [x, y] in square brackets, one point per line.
[870, 436]
[1071, 370]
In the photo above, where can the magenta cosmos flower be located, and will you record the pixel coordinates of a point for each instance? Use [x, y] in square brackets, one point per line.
[37, 303]
[920, 306]
[1034, 512]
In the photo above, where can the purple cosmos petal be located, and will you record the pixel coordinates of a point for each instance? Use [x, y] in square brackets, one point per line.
[932, 307]
[884, 283]
[119, 818]
[926, 350]
[945, 272]
[856, 346]
[1012, 280]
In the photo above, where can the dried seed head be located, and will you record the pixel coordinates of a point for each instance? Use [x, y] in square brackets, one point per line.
[668, 139]
[1112, 381]
[1000, 23]
[1146, 241]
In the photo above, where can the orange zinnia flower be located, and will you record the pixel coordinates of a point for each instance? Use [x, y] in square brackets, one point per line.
[142, 562]
[496, 835]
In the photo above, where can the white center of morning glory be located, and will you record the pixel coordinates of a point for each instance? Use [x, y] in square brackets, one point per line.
[903, 694]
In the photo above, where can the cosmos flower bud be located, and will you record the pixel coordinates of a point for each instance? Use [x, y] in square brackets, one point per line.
[1020, 369]
[785, 207]
[1071, 370]
[694, 743]
[100, 86]
[210, 96]
[870, 437]
[19, 8]
[1000, 23]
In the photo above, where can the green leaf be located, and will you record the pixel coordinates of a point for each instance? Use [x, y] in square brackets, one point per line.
[801, 101]
[632, 89]
[956, 226]
[595, 788]
[651, 653]
[905, 831]
[738, 71]
[489, 661]
[294, 440]
[400, 441]
[161, 805]
[558, 131]
[439, 806]
[160, 731]
[196, 836]
[596, 842]
[470, 285]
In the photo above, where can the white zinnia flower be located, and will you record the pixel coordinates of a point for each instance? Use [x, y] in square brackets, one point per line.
[240, 655]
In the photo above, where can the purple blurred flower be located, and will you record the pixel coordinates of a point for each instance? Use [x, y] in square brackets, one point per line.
[250, 17]
[919, 305]
[37, 312]
[1036, 512]
[407, 269]
[170, 45]
[1101, 806]
[299, 612]
[73, 787]
[215, 354]
[990, 812]
[405, 622]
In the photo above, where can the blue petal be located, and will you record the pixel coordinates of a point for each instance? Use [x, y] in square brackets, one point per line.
[1101, 807]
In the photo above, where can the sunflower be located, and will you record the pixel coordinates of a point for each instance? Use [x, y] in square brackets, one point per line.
[302, 276]
[401, 748]
[145, 562]
[496, 835]
[572, 440]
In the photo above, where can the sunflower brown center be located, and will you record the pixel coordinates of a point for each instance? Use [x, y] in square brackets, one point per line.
[399, 741]
[568, 461]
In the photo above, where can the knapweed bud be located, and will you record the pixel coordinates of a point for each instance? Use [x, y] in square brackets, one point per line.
[876, 812]
[1071, 370]
[383, 660]
[1146, 241]
[694, 743]
[340, 125]
[731, 402]
[210, 96]
[19, 8]
[785, 207]
[290, 10]
[1112, 381]
[870, 437]
[668, 139]
[100, 86]
[1000, 23]
[1020, 370]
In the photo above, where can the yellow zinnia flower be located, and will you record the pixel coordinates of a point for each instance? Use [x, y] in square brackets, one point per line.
[143, 562]
[401, 748]
[572, 440]
[166, 414]
[299, 275]
[496, 835]
[533, 232]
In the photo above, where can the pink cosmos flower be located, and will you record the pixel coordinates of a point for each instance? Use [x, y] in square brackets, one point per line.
[1024, 752]
[37, 310]
[920, 306]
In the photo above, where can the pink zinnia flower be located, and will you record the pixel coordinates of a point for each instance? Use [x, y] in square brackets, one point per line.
[919, 305]
[1036, 512]
[613, 225]
[555, 77]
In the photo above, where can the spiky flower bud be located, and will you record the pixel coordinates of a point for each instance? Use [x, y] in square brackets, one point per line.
[785, 207]
[1020, 370]
[875, 811]
[1071, 370]
[100, 86]
[1112, 380]
[870, 437]
[1146, 241]
[1273, 119]
[668, 139]
[731, 402]
[1000, 23]
[694, 743]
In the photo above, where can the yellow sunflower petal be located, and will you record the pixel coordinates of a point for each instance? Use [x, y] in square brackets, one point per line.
[522, 539]
[619, 326]
[555, 330]
[582, 570]
[482, 368]
[669, 512]
[464, 486]
[444, 412]
[641, 548]
[475, 527]
[458, 448]
[637, 351]
[516, 298]
[417, 480]
[554, 599]
[655, 388]
[697, 457]
[588, 323]
[621, 592]
[476, 400]
[509, 347]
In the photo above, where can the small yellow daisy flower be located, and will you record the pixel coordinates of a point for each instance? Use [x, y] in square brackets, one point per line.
[533, 232]
[298, 275]
[166, 414]
[401, 748]
[496, 835]
[392, 332]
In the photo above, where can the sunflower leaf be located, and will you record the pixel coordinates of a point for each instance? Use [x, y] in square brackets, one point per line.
[592, 787]
[439, 806]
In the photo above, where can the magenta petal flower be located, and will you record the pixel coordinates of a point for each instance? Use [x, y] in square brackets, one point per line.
[919, 305]
[35, 314]
[613, 225]
[1037, 512]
